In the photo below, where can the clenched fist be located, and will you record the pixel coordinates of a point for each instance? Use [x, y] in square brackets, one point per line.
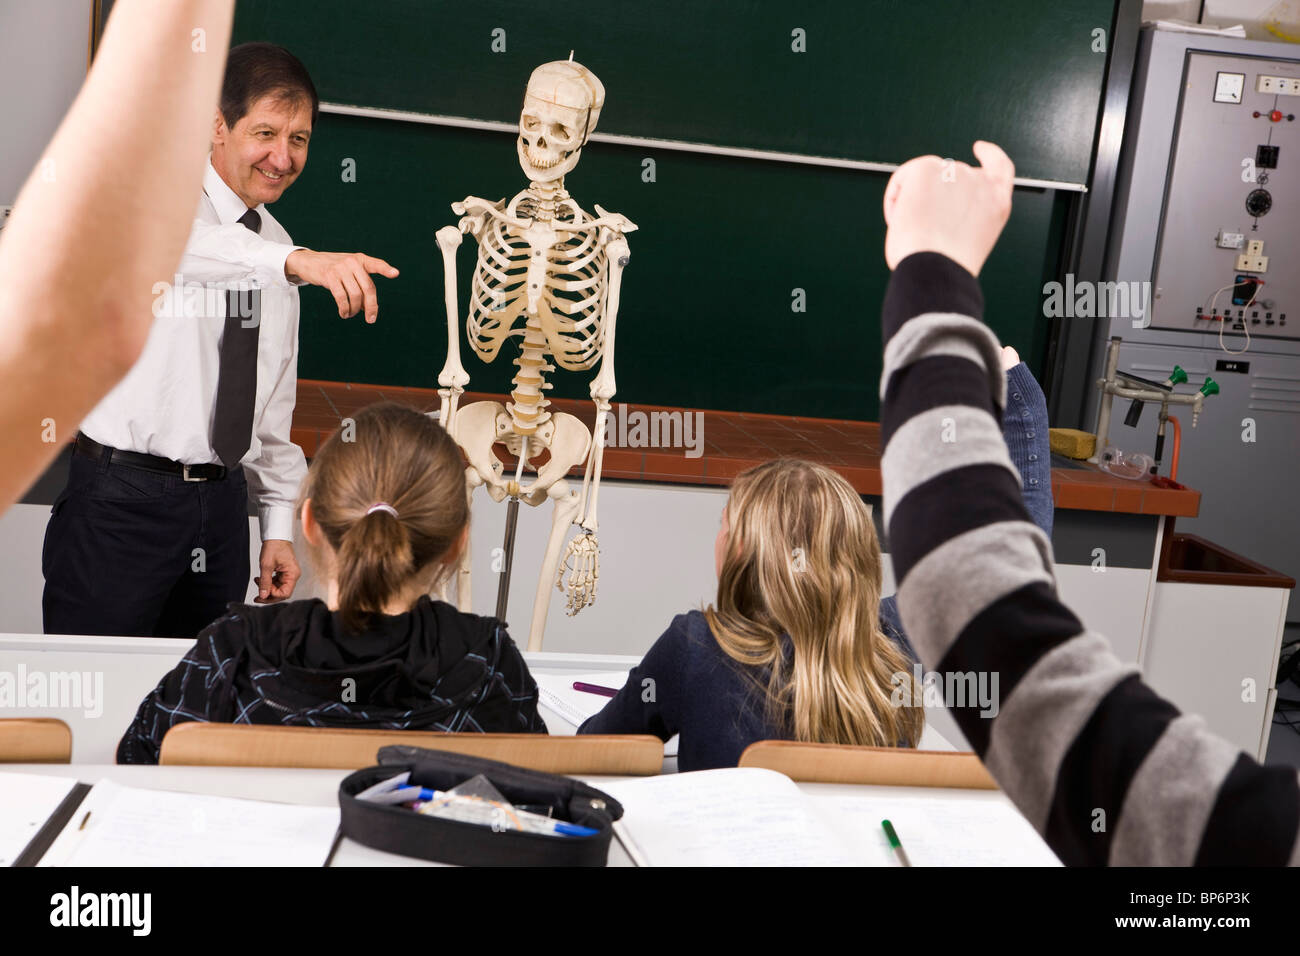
[936, 205]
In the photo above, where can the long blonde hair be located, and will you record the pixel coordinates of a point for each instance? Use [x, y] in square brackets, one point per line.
[398, 456]
[803, 560]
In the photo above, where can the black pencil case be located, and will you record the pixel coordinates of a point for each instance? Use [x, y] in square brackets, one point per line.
[396, 829]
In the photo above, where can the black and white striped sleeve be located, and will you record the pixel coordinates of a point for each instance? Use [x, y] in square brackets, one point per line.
[1104, 768]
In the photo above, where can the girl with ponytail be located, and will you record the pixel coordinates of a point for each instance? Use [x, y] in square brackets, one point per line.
[386, 517]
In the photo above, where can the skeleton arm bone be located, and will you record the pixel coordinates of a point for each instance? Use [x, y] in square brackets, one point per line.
[603, 388]
[453, 378]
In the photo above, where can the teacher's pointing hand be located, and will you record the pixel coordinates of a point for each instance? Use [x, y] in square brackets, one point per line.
[345, 274]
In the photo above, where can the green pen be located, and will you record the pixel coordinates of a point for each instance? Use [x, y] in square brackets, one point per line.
[895, 844]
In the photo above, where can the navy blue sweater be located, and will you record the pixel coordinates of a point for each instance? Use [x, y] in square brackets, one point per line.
[687, 685]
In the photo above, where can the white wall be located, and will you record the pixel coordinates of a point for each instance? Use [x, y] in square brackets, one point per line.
[656, 560]
[43, 47]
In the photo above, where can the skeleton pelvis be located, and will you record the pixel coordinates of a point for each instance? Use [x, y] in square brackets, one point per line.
[482, 425]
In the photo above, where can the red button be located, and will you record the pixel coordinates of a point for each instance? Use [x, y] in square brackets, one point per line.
[1275, 116]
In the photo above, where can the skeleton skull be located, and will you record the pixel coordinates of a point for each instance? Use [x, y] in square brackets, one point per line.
[561, 107]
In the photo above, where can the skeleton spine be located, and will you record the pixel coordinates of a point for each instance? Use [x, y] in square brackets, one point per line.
[528, 410]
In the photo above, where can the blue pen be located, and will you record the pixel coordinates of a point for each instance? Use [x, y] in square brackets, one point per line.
[402, 795]
[572, 829]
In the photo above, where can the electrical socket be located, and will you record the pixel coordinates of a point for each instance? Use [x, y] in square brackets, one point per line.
[1277, 84]
[1249, 263]
[1255, 247]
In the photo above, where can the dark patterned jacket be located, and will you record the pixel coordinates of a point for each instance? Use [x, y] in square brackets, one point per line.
[432, 668]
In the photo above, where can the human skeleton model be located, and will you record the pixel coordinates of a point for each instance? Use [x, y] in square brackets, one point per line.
[548, 274]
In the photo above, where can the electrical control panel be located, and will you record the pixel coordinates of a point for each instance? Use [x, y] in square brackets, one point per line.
[1228, 254]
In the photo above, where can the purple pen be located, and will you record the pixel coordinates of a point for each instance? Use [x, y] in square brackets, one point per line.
[595, 689]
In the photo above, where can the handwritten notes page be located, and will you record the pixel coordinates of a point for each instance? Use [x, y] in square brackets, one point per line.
[733, 817]
[133, 827]
[752, 817]
[939, 828]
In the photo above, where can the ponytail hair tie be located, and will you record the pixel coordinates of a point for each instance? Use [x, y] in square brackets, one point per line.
[382, 506]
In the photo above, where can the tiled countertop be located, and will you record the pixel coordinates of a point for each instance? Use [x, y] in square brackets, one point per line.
[734, 441]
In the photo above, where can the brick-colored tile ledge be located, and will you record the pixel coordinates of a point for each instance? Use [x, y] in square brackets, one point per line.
[731, 442]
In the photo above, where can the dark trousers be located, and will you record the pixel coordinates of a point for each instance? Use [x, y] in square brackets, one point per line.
[135, 553]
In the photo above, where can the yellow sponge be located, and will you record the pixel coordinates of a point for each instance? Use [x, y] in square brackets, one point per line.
[1073, 443]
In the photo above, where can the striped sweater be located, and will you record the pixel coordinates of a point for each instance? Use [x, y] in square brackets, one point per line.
[1107, 771]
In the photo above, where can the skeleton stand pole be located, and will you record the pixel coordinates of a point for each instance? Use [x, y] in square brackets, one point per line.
[512, 520]
[503, 586]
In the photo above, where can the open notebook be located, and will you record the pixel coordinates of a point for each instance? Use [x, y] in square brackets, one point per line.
[127, 826]
[752, 817]
[27, 801]
[555, 692]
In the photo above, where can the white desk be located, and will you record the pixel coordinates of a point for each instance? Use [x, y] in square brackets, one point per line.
[120, 671]
[312, 788]
[320, 788]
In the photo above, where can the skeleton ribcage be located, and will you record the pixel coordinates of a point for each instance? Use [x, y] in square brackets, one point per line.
[569, 303]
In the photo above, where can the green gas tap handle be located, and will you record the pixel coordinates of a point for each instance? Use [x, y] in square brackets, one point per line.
[1211, 387]
[1178, 377]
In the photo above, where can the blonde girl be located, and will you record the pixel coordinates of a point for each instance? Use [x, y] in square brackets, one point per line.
[793, 648]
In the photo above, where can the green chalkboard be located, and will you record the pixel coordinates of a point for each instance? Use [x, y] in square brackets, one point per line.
[707, 316]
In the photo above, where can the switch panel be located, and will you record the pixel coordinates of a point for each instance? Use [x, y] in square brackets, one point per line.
[1235, 177]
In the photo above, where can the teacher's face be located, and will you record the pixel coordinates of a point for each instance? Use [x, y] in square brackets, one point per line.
[265, 151]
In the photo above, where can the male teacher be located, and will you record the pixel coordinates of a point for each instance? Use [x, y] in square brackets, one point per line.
[150, 536]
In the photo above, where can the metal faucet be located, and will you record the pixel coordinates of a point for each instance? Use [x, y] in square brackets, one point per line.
[1140, 390]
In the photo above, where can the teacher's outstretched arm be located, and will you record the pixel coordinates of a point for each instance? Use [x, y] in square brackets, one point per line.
[102, 218]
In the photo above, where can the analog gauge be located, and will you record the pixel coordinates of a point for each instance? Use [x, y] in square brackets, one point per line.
[1259, 202]
[1228, 87]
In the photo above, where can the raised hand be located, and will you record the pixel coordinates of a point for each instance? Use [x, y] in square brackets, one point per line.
[937, 205]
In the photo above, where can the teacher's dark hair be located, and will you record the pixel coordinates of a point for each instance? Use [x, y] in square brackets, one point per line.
[254, 70]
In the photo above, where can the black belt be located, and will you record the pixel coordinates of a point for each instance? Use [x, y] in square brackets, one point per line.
[162, 466]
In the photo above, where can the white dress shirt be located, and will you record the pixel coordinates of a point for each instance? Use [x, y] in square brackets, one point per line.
[165, 404]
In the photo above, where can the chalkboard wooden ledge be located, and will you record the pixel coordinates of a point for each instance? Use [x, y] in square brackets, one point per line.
[655, 443]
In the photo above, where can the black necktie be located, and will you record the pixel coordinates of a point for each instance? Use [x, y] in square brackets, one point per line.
[232, 421]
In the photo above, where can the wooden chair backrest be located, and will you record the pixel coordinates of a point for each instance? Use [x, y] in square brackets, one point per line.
[35, 740]
[251, 745]
[884, 766]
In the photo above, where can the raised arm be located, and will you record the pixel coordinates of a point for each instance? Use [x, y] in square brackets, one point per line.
[90, 234]
[1106, 770]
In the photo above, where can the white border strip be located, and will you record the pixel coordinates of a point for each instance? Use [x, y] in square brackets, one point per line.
[461, 122]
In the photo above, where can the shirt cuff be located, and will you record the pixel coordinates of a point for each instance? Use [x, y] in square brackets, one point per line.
[276, 522]
[272, 256]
